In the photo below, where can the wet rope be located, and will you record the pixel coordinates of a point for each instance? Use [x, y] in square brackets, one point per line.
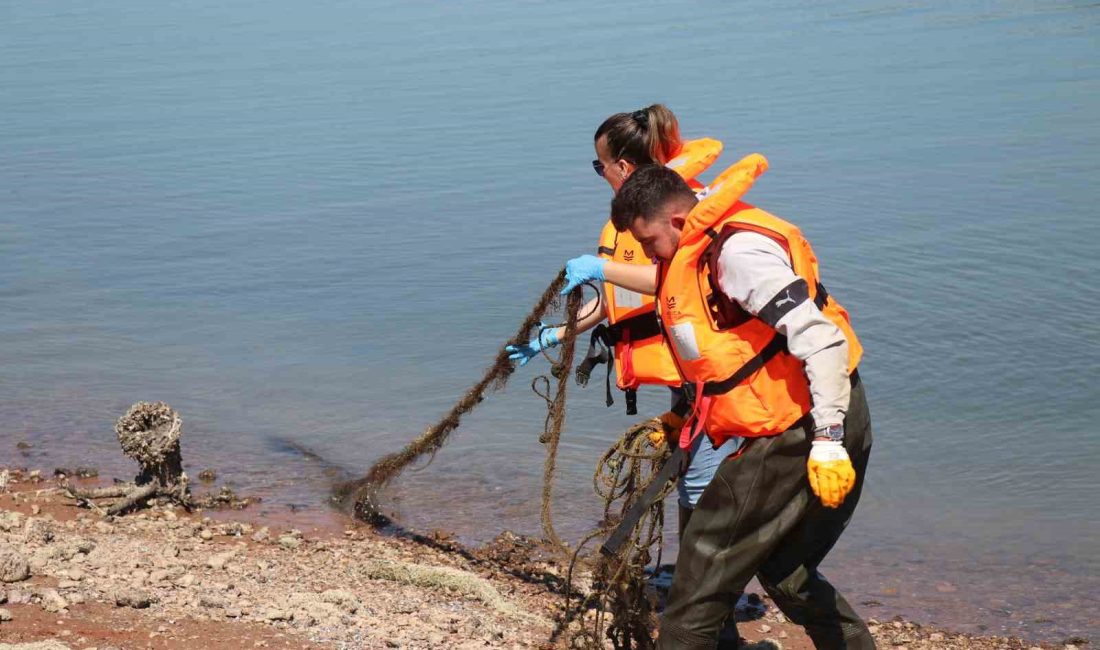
[617, 607]
[363, 493]
[555, 415]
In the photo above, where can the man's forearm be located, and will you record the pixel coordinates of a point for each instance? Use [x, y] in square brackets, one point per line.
[636, 277]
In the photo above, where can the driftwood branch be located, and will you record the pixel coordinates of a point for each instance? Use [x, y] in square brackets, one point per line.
[149, 433]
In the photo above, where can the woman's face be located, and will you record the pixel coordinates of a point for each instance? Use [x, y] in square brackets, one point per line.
[615, 172]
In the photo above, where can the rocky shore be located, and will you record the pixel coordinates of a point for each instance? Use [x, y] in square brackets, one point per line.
[162, 578]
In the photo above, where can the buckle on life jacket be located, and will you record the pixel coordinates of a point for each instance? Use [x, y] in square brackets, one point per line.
[601, 349]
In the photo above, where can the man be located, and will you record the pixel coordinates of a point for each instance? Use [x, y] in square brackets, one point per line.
[771, 357]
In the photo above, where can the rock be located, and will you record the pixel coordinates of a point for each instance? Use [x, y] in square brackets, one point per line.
[206, 535]
[289, 542]
[946, 588]
[186, 580]
[219, 560]
[212, 601]
[5, 615]
[39, 560]
[67, 584]
[36, 509]
[76, 598]
[277, 615]
[261, 535]
[71, 549]
[17, 597]
[52, 601]
[11, 521]
[39, 531]
[935, 636]
[233, 612]
[135, 598]
[344, 599]
[13, 566]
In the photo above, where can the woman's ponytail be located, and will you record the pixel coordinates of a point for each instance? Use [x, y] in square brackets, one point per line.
[663, 133]
[645, 137]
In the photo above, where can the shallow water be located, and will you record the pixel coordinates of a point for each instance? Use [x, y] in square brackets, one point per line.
[318, 223]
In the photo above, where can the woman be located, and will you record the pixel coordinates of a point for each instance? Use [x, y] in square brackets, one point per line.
[624, 142]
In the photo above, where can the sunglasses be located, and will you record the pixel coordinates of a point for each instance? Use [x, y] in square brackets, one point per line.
[599, 167]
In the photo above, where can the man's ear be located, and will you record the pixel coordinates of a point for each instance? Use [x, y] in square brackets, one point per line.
[678, 221]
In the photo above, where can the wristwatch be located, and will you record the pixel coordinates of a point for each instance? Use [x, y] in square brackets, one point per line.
[834, 432]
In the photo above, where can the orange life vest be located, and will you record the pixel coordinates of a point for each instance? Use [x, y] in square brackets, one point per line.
[745, 381]
[640, 353]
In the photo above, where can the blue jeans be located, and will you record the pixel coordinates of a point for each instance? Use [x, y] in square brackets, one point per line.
[705, 460]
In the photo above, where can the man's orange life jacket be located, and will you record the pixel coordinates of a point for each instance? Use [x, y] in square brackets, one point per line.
[745, 381]
[640, 353]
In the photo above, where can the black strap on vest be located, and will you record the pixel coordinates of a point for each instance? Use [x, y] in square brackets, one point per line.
[775, 346]
[601, 349]
[641, 327]
[605, 250]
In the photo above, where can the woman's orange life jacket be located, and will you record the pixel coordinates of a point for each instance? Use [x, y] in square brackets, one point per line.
[745, 381]
[640, 353]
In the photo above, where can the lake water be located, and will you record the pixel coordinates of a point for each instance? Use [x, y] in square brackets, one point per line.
[318, 221]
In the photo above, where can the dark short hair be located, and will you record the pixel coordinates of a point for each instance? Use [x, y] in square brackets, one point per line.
[649, 190]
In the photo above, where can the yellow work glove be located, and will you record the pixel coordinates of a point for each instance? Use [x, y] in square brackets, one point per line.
[669, 429]
[831, 473]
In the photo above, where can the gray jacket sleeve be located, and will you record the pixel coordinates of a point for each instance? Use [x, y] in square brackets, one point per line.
[755, 271]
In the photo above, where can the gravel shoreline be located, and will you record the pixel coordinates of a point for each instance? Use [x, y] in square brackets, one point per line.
[166, 579]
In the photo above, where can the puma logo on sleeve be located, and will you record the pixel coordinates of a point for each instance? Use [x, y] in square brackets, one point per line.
[780, 303]
[789, 297]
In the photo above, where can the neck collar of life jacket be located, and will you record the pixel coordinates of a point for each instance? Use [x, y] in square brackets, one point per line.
[718, 198]
[695, 157]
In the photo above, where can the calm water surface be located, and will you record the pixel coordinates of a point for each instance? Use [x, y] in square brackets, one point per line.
[318, 222]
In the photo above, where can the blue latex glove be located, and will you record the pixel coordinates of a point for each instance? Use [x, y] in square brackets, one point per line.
[582, 269]
[546, 339]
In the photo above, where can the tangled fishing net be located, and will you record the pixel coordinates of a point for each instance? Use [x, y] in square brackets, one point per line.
[616, 607]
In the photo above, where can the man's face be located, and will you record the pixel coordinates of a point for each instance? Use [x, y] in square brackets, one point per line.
[659, 236]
